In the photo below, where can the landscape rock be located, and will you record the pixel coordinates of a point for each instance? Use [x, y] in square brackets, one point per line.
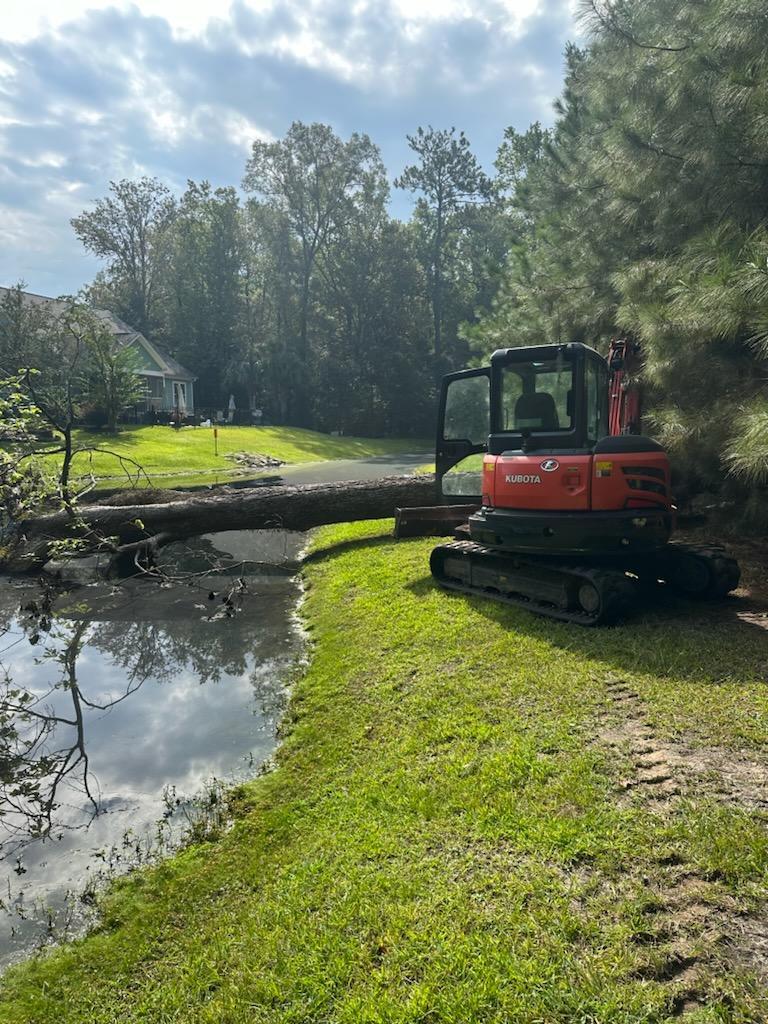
[254, 460]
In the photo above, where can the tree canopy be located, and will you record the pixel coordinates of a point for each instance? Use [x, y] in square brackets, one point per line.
[641, 211]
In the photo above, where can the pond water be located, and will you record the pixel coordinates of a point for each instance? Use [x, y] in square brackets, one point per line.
[126, 710]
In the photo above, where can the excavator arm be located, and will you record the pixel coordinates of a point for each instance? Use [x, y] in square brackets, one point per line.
[624, 390]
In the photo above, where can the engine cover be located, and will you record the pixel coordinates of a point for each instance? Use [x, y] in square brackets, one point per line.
[599, 481]
[557, 482]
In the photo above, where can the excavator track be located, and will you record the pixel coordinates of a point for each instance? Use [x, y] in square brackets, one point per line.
[588, 596]
[703, 572]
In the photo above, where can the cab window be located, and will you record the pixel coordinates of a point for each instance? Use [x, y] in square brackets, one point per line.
[538, 396]
[468, 410]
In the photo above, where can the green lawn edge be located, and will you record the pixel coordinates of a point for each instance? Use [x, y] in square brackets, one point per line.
[446, 836]
[168, 456]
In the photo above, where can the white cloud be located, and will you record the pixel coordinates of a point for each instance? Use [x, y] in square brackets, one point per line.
[63, 194]
[173, 123]
[533, 71]
[239, 129]
[384, 44]
[81, 115]
[381, 42]
[181, 88]
[54, 160]
[167, 120]
[307, 47]
[25, 230]
[23, 20]
[426, 11]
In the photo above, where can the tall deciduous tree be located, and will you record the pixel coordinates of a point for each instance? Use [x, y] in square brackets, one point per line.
[374, 328]
[202, 320]
[129, 228]
[269, 364]
[314, 179]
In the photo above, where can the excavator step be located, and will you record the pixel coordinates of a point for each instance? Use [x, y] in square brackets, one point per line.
[431, 520]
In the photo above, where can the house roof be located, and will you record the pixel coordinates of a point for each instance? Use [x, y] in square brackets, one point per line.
[123, 333]
[175, 368]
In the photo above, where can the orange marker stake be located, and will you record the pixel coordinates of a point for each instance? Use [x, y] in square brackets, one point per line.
[215, 440]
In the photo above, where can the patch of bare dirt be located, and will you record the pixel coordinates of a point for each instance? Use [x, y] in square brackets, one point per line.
[704, 933]
[749, 941]
[752, 556]
[663, 767]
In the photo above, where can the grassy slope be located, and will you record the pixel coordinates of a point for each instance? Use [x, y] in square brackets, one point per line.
[163, 450]
[445, 839]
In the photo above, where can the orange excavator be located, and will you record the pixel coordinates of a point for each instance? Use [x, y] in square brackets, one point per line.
[558, 502]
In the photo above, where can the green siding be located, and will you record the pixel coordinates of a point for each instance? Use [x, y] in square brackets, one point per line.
[143, 359]
[168, 402]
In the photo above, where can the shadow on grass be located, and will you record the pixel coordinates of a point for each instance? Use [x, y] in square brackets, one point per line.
[322, 554]
[710, 642]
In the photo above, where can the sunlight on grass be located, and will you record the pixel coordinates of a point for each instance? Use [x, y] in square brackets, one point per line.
[162, 452]
[446, 837]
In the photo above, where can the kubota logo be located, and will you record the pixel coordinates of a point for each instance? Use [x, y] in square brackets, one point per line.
[550, 465]
[523, 478]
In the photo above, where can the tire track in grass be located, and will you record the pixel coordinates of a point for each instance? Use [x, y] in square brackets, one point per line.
[698, 921]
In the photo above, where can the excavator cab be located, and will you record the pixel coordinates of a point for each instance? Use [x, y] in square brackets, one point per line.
[548, 477]
[550, 398]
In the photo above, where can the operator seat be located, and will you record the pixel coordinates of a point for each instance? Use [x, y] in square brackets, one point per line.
[536, 411]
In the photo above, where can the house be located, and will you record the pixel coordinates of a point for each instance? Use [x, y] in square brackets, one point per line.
[169, 385]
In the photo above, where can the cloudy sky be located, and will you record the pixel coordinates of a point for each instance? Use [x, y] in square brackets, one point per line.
[92, 91]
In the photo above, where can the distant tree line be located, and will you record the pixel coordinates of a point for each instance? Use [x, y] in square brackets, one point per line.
[642, 211]
[306, 298]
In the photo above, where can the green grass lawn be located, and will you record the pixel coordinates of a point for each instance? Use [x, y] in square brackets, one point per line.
[478, 817]
[173, 456]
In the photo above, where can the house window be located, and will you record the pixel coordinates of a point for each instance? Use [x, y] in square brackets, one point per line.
[154, 392]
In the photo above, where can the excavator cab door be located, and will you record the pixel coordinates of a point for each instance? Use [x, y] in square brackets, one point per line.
[463, 426]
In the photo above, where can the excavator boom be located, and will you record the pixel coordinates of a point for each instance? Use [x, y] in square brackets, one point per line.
[624, 390]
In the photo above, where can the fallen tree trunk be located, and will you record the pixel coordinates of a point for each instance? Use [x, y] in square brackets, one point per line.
[263, 508]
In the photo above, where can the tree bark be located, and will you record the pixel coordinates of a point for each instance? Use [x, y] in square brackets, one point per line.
[437, 290]
[263, 508]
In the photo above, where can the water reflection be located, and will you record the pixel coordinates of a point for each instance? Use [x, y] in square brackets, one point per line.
[44, 748]
[134, 692]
